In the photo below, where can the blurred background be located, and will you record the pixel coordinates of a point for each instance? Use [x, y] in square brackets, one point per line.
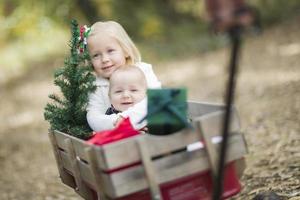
[31, 31]
[174, 37]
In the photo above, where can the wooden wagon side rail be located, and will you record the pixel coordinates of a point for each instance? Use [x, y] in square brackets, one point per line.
[120, 169]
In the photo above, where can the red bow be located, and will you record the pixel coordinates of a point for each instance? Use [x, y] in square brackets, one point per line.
[124, 130]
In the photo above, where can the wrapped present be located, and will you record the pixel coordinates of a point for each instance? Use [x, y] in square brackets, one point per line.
[167, 111]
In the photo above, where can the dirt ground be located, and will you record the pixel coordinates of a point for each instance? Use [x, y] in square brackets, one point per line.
[267, 98]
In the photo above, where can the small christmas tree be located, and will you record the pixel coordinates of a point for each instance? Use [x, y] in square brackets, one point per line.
[76, 81]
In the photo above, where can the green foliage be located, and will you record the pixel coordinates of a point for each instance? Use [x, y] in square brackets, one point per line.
[137, 16]
[171, 27]
[150, 19]
[274, 11]
[75, 80]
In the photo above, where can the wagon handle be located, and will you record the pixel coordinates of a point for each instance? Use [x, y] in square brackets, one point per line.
[229, 16]
[234, 35]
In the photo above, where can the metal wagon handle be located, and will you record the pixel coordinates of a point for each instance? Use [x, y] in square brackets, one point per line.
[229, 16]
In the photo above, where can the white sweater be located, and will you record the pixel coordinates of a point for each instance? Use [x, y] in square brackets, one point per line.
[99, 102]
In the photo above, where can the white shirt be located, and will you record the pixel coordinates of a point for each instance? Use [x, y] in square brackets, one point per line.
[99, 102]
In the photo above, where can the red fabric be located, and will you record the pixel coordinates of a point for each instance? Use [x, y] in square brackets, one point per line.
[124, 130]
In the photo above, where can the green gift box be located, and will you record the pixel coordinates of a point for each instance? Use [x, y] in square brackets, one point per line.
[167, 110]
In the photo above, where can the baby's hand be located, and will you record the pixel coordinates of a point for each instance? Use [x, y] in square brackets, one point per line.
[145, 129]
[118, 121]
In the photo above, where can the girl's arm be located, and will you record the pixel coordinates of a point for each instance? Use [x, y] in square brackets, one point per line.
[99, 122]
[97, 105]
[151, 78]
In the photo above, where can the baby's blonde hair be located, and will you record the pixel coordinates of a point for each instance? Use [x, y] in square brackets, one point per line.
[116, 31]
[128, 69]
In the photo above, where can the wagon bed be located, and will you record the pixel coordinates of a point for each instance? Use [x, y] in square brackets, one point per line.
[179, 166]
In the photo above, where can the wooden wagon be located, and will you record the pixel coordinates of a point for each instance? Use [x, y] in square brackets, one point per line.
[174, 167]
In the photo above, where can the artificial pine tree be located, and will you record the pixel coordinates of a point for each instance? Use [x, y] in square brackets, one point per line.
[67, 113]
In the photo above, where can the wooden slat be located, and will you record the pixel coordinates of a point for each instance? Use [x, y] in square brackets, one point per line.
[125, 152]
[60, 138]
[197, 109]
[96, 173]
[210, 149]
[88, 176]
[149, 170]
[55, 151]
[236, 147]
[66, 178]
[80, 146]
[169, 168]
[240, 166]
[66, 162]
[212, 123]
[81, 188]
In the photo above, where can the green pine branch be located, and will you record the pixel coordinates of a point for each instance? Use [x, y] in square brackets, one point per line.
[67, 112]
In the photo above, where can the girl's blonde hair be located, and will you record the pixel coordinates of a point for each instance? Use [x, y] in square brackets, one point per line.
[116, 31]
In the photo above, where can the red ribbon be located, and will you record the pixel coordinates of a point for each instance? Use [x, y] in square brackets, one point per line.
[124, 130]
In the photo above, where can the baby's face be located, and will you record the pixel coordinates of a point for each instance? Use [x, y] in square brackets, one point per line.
[126, 92]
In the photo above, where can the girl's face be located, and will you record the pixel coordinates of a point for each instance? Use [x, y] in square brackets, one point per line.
[106, 54]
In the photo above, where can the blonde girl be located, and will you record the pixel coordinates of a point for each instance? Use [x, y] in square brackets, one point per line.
[109, 48]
